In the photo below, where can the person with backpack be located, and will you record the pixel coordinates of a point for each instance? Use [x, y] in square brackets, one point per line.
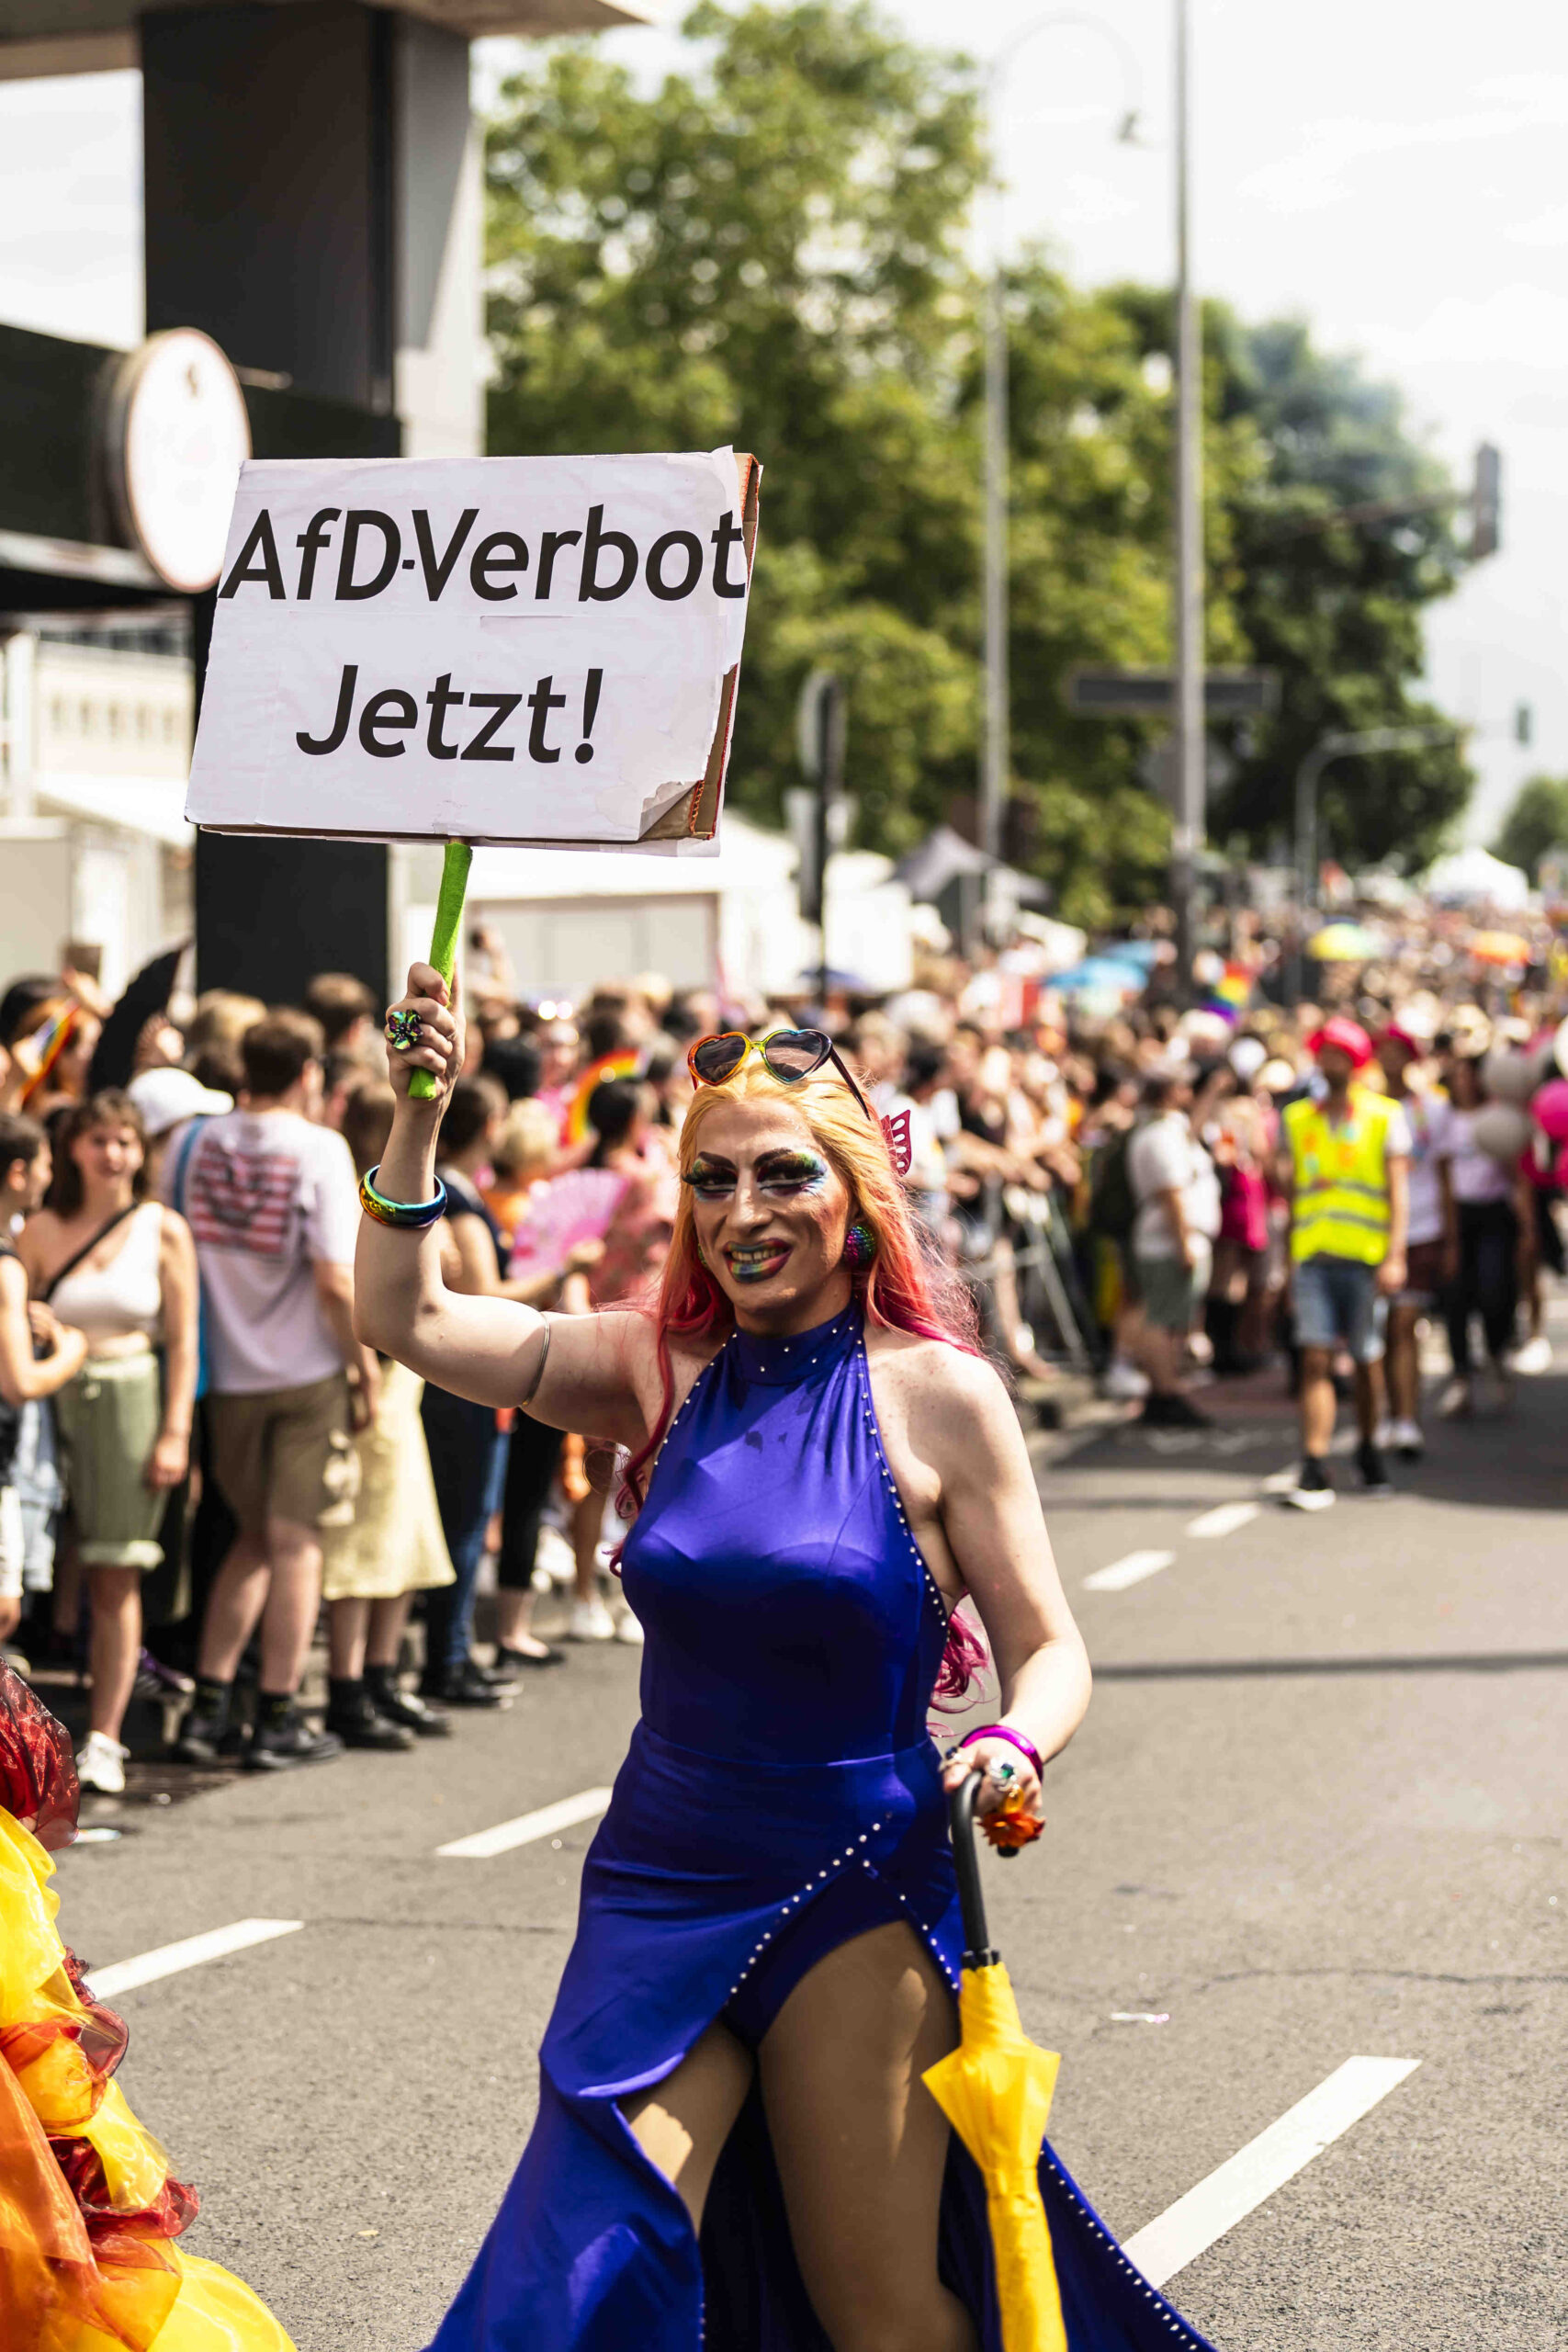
[273, 1202]
[1111, 1213]
[1176, 1190]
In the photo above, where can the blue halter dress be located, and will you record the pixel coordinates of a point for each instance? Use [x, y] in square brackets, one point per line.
[781, 1794]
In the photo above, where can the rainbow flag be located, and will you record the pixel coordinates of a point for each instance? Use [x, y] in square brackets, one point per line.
[622, 1065]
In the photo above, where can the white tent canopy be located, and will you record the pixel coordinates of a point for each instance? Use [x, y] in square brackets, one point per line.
[1473, 877]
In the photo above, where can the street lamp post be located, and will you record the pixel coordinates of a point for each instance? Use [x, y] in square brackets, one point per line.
[1187, 832]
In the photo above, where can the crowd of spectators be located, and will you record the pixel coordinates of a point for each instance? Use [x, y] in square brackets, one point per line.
[201, 1468]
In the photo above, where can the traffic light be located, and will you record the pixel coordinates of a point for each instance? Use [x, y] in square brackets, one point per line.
[1486, 503]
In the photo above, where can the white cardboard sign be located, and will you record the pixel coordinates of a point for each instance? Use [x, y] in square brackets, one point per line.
[487, 648]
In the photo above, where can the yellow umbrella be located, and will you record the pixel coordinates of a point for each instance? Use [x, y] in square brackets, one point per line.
[1344, 943]
[994, 2090]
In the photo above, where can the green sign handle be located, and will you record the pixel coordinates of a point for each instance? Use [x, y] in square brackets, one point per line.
[443, 939]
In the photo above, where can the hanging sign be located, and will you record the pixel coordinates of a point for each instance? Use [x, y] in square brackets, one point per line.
[539, 649]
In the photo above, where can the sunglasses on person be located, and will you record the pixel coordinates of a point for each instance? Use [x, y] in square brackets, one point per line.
[790, 1054]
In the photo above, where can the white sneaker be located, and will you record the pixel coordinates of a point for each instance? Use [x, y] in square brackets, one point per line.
[1458, 1401]
[1534, 1357]
[627, 1630]
[555, 1563]
[100, 1764]
[1383, 1435]
[591, 1621]
[1405, 1437]
[1123, 1381]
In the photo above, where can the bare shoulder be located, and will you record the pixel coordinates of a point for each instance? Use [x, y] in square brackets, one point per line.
[937, 1382]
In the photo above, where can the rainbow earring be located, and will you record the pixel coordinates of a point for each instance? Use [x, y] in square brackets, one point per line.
[860, 1247]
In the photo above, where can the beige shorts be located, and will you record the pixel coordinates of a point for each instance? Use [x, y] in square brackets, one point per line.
[286, 1453]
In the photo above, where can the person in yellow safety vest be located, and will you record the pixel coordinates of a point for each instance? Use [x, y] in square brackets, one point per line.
[1345, 1167]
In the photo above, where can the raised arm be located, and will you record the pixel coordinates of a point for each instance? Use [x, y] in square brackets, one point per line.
[594, 1373]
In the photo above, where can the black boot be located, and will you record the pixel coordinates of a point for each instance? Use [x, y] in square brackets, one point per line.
[207, 1734]
[404, 1707]
[353, 1715]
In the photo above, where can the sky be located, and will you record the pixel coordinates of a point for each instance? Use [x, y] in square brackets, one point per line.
[1390, 170]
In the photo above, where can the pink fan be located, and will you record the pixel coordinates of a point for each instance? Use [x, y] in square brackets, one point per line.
[571, 1208]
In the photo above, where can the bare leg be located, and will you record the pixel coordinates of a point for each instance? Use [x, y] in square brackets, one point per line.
[67, 1589]
[233, 1606]
[292, 1602]
[682, 2123]
[114, 1644]
[1159, 1352]
[1317, 1401]
[389, 1619]
[1369, 1398]
[10, 1615]
[348, 1627]
[861, 2145]
[1403, 1375]
[587, 1530]
[514, 1621]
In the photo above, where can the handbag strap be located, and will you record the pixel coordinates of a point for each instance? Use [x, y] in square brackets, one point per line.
[86, 1250]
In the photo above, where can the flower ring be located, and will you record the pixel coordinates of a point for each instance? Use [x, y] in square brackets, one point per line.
[404, 1030]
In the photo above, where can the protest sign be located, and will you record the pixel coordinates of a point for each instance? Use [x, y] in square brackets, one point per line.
[536, 650]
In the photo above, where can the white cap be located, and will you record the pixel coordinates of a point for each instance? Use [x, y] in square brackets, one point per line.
[164, 1097]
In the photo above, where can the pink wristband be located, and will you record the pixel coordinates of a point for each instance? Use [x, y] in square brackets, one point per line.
[1016, 1739]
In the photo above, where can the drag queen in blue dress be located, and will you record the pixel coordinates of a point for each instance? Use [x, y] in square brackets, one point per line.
[734, 2149]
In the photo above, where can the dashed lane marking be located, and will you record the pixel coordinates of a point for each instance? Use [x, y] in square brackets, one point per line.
[484, 1843]
[1132, 1570]
[1249, 2177]
[1224, 1520]
[169, 1959]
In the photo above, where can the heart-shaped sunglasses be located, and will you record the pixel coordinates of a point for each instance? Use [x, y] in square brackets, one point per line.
[790, 1054]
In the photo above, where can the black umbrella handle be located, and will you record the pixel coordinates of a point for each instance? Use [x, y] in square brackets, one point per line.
[961, 1802]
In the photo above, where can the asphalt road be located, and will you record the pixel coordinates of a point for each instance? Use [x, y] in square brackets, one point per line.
[1316, 1812]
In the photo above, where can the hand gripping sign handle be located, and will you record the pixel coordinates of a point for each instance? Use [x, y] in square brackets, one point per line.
[443, 941]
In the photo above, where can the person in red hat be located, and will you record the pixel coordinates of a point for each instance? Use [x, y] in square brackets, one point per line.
[1431, 1248]
[1343, 1167]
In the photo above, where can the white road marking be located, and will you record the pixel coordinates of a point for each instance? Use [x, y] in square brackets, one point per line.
[1250, 2177]
[484, 1843]
[168, 1960]
[1132, 1570]
[1224, 1520]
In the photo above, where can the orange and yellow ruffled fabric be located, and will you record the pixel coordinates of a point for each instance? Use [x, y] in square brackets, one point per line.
[89, 2210]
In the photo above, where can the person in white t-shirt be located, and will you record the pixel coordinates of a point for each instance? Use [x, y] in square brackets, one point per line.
[272, 1202]
[1178, 1194]
[1431, 1250]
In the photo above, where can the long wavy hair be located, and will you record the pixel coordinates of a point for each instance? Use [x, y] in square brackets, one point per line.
[906, 1287]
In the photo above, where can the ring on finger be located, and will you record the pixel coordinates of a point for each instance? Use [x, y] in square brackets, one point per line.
[404, 1030]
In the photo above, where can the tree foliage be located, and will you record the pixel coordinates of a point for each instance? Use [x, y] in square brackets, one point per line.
[1537, 821]
[770, 249]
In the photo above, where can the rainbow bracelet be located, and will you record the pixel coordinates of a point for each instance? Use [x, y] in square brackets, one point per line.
[410, 1215]
[1000, 1730]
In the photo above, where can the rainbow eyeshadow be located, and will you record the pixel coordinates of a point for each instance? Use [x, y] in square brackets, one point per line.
[710, 1180]
[792, 1172]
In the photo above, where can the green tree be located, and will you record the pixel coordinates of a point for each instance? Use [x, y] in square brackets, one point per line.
[770, 249]
[1537, 821]
[1335, 606]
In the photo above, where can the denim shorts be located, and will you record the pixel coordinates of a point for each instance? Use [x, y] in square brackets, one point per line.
[1337, 1302]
